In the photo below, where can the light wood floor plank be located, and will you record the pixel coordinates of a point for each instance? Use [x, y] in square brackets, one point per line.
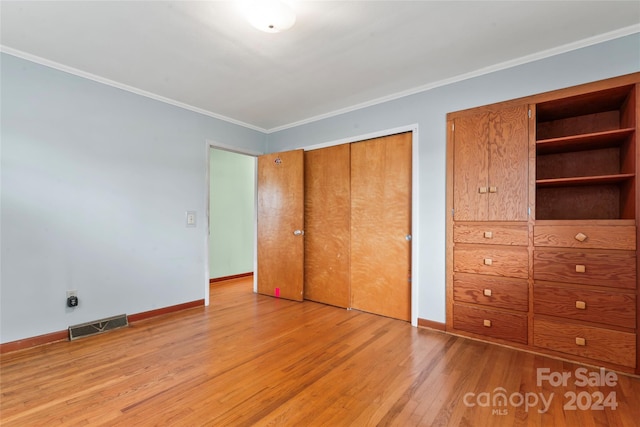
[253, 360]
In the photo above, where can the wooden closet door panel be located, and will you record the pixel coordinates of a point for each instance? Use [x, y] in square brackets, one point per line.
[380, 223]
[508, 164]
[280, 213]
[470, 156]
[327, 209]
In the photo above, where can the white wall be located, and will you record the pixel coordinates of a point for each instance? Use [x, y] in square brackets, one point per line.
[95, 185]
[428, 109]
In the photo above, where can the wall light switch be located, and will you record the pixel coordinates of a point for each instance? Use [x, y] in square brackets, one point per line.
[191, 218]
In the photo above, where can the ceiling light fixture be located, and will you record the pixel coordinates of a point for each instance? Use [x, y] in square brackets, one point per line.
[271, 16]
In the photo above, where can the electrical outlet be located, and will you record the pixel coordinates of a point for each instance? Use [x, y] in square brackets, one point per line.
[72, 299]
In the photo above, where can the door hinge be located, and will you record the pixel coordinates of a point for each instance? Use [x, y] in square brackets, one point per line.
[529, 112]
[452, 211]
[453, 127]
[529, 211]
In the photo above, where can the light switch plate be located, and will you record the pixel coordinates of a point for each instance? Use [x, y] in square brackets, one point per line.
[191, 218]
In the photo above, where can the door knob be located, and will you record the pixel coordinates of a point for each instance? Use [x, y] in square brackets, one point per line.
[408, 237]
[298, 233]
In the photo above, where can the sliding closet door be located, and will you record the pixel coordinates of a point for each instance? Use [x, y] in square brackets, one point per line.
[280, 224]
[327, 230]
[380, 226]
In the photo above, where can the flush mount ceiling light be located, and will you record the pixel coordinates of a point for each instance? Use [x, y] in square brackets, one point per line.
[271, 16]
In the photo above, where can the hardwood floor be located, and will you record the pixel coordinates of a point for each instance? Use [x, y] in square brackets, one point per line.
[252, 360]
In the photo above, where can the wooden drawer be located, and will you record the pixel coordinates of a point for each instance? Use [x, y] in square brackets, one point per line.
[586, 236]
[593, 306]
[507, 261]
[586, 341]
[615, 269]
[491, 291]
[491, 234]
[491, 323]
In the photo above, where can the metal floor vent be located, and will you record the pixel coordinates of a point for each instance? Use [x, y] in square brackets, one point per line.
[98, 326]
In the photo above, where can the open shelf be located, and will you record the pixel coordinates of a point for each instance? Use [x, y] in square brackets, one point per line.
[589, 141]
[612, 99]
[586, 156]
[584, 180]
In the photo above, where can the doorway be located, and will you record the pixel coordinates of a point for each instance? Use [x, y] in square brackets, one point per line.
[230, 214]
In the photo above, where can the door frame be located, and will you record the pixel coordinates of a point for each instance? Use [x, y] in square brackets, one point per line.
[209, 144]
[415, 251]
[415, 266]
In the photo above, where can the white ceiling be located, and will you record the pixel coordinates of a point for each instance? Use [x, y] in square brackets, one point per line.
[203, 55]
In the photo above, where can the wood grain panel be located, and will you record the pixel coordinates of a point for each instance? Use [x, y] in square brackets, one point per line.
[471, 160]
[587, 123]
[580, 163]
[380, 222]
[495, 324]
[491, 291]
[491, 233]
[616, 269]
[506, 261]
[595, 236]
[280, 212]
[449, 224]
[600, 344]
[327, 208]
[631, 209]
[508, 164]
[611, 308]
[578, 202]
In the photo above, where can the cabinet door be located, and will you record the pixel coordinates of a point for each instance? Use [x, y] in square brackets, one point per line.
[471, 160]
[491, 165]
[508, 164]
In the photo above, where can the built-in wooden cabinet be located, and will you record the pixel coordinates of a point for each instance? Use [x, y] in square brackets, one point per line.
[542, 234]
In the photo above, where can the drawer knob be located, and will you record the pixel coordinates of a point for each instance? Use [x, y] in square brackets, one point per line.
[581, 341]
[486, 323]
[493, 189]
[488, 261]
[581, 305]
[488, 234]
[482, 190]
[486, 292]
[580, 237]
[580, 268]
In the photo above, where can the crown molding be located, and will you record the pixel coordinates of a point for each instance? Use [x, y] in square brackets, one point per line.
[108, 82]
[482, 71]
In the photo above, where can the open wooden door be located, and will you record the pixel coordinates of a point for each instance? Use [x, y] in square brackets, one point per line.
[280, 224]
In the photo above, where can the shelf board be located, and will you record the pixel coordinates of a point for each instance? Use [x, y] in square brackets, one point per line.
[588, 141]
[584, 180]
[583, 104]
